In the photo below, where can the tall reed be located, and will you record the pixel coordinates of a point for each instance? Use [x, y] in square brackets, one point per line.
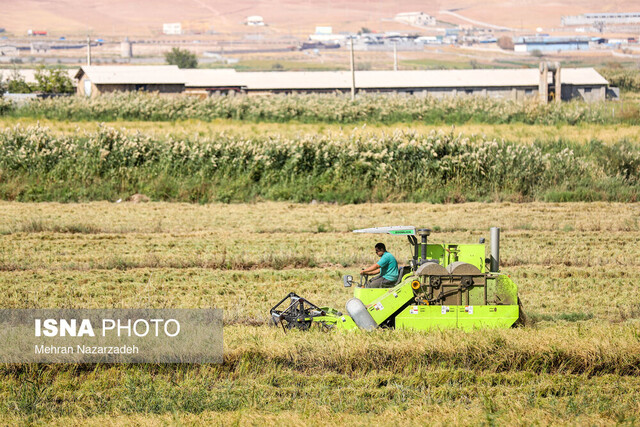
[36, 164]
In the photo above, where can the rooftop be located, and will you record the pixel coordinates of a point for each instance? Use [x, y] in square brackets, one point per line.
[301, 80]
[392, 79]
[115, 74]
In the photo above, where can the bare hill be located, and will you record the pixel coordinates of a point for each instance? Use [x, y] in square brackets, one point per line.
[294, 17]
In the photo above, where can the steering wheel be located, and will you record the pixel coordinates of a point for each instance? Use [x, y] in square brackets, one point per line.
[364, 280]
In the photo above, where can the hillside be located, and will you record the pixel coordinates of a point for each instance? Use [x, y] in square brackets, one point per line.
[286, 17]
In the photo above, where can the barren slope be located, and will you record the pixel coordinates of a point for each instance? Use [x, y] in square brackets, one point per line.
[145, 17]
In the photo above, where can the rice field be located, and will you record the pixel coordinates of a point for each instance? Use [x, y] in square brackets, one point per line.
[250, 200]
[575, 362]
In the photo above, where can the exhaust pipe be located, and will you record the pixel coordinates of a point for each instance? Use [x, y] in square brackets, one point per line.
[495, 250]
[423, 233]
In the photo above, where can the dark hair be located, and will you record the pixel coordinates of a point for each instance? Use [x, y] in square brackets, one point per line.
[381, 247]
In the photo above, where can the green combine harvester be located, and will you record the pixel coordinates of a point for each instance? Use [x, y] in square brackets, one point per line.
[443, 286]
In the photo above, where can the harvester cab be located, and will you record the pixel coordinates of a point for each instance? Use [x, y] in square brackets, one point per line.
[443, 285]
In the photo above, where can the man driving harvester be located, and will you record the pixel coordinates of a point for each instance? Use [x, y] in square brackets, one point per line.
[387, 267]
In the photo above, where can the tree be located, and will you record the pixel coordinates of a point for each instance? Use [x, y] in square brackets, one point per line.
[53, 80]
[505, 43]
[16, 83]
[182, 58]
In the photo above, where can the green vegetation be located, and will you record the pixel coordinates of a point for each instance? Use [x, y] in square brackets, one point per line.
[626, 80]
[322, 109]
[576, 361]
[15, 83]
[282, 65]
[39, 165]
[48, 80]
[53, 80]
[439, 64]
[183, 58]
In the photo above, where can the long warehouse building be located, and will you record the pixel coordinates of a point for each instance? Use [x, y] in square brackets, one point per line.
[514, 84]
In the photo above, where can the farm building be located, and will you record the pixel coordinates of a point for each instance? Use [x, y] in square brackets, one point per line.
[583, 84]
[255, 21]
[222, 81]
[9, 50]
[602, 18]
[94, 80]
[415, 18]
[551, 44]
[514, 84]
[174, 28]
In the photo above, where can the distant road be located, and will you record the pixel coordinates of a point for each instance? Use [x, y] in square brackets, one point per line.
[623, 55]
[473, 21]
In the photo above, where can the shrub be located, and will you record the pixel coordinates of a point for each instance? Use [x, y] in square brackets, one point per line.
[182, 58]
[627, 80]
[53, 80]
[17, 84]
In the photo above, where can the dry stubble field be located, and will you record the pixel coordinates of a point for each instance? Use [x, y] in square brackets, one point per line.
[576, 361]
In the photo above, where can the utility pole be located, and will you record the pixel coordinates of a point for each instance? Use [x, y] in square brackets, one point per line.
[543, 84]
[353, 74]
[88, 50]
[395, 56]
[558, 82]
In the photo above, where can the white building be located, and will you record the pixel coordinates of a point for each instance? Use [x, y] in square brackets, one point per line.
[602, 18]
[416, 18]
[428, 40]
[328, 38]
[9, 50]
[255, 21]
[325, 35]
[172, 29]
[324, 30]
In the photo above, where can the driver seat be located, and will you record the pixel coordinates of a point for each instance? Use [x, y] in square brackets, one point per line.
[402, 270]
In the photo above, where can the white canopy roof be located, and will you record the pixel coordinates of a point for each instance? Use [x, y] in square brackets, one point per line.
[396, 230]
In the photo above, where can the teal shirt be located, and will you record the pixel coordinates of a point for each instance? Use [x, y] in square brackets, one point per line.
[388, 267]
